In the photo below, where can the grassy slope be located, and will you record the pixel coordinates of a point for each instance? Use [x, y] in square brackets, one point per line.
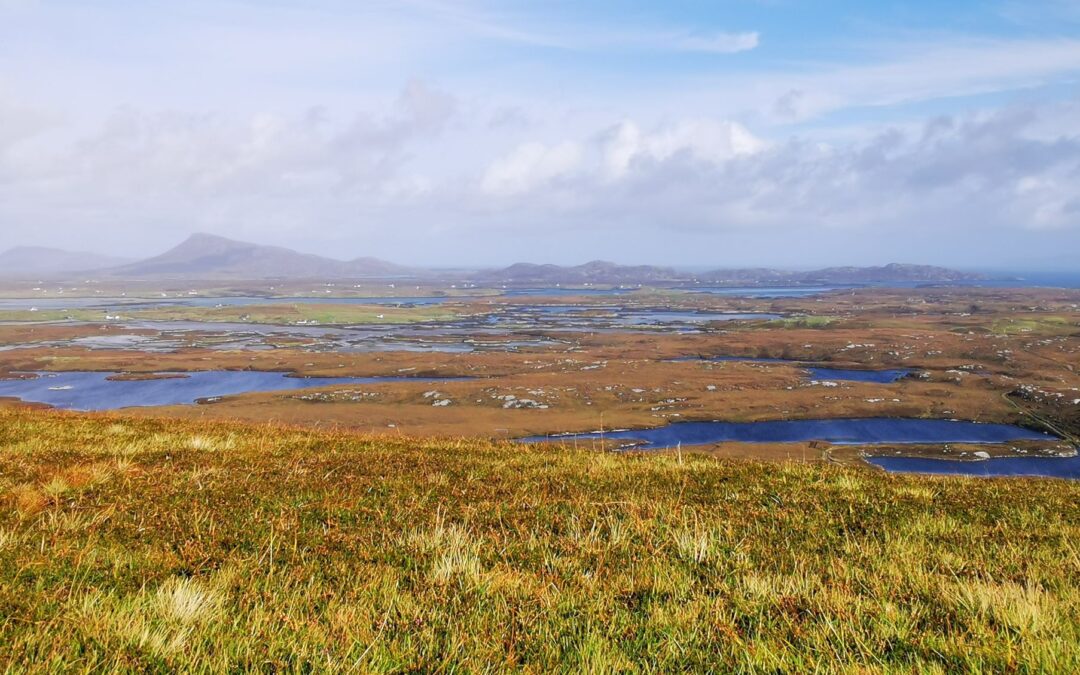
[164, 545]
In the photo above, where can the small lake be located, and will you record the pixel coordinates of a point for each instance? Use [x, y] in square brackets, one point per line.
[649, 317]
[1053, 467]
[845, 431]
[609, 317]
[886, 376]
[764, 292]
[82, 390]
[854, 375]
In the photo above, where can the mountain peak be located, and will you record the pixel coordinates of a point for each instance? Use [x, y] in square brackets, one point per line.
[207, 236]
[205, 240]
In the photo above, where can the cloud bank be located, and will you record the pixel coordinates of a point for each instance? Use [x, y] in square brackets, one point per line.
[460, 135]
[268, 176]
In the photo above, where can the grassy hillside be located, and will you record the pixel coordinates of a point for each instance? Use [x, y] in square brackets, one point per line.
[170, 545]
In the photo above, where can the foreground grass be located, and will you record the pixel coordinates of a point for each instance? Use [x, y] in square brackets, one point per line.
[169, 545]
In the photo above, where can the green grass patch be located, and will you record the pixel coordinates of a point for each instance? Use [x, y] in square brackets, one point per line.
[1043, 325]
[801, 322]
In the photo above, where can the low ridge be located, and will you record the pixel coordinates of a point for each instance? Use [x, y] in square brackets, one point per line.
[25, 261]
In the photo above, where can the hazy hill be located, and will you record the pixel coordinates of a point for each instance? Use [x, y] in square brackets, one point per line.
[28, 261]
[597, 271]
[746, 275]
[207, 256]
[891, 272]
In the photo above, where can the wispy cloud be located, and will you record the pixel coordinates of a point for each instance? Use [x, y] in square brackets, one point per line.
[538, 29]
[720, 43]
[952, 68]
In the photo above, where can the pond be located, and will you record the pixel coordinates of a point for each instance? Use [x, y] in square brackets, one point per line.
[1054, 467]
[82, 390]
[765, 292]
[608, 317]
[843, 431]
[886, 376]
[858, 375]
[650, 317]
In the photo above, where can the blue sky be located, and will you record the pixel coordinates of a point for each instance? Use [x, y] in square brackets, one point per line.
[769, 132]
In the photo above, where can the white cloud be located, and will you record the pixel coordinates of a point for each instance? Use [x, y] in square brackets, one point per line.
[153, 173]
[979, 189]
[955, 181]
[1051, 201]
[704, 139]
[610, 155]
[530, 166]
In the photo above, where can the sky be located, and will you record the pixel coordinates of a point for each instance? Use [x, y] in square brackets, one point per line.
[429, 132]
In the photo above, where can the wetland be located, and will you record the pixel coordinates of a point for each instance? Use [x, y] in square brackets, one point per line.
[782, 373]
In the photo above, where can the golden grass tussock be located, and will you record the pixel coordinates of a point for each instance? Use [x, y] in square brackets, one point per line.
[1024, 608]
[27, 500]
[177, 546]
[162, 623]
[205, 443]
[186, 601]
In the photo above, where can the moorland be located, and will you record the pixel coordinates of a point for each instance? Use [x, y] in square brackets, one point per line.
[398, 524]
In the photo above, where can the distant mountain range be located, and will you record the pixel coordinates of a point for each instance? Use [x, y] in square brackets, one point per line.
[208, 257]
[845, 275]
[595, 272]
[599, 272]
[33, 261]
